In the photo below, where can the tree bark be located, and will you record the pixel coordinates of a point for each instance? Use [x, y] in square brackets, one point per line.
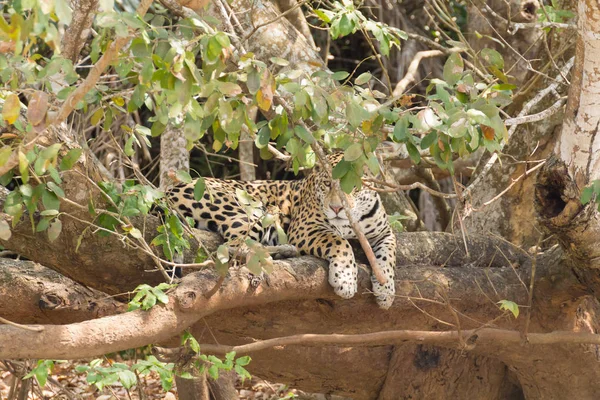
[512, 215]
[33, 294]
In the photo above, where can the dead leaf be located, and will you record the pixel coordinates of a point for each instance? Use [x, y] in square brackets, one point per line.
[38, 106]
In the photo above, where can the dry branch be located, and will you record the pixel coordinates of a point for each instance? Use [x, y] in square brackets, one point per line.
[472, 337]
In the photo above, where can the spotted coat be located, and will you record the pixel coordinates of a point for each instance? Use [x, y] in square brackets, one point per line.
[310, 213]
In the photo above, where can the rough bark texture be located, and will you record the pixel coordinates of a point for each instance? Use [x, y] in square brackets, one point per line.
[579, 143]
[79, 29]
[33, 294]
[429, 372]
[174, 155]
[513, 215]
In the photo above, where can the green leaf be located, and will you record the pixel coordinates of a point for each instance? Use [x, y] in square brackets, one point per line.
[401, 130]
[429, 139]
[54, 230]
[346, 26]
[340, 169]
[350, 181]
[587, 194]
[363, 78]
[149, 301]
[183, 176]
[492, 57]
[5, 232]
[5, 153]
[324, 15]
[280, 61]
[353, 152]
[510, 306]
[70, 159]
[413, 152]
[340, 75]
[63, 11]
[50, 200]
[127, 378]
[199, 188]
[128, 149]
[304, 134]
[160, 295]
[56, 189]
[356, 114]
[243, 361]
[242, 372]
[23, 167]
[453, 68]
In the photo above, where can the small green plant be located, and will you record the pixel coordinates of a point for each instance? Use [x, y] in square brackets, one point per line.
[147, 296]
[396, 221]
[41, 371]
[509, 306]
[212, 365]
[101, 377]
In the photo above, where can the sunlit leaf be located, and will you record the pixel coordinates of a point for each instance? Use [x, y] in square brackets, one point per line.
[54, 230]
[509, 306]
[11, 108]
[5, 232]
[353, 152]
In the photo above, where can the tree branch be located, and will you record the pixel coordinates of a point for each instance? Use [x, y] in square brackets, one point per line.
[471, 337]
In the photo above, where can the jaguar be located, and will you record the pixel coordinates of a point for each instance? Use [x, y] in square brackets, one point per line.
[311, 214]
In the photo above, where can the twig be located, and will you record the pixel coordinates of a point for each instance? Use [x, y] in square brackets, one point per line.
[514, 182]
[410, 75]
[33, 328]
[515, 26]
[416, 185]
[497, 336]
[279, 16]
[526, 119]
[531, 285]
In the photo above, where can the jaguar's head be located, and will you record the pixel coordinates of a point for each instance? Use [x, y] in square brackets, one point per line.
[361, 202]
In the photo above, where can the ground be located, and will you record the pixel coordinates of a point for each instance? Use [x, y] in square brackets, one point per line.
[66, 383]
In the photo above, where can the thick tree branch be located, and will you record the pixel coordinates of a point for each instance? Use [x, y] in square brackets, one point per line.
[77, 32]
[579, 141]
[33, 294]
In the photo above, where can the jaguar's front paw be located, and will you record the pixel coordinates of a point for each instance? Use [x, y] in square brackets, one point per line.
[384, 294]
[343, 281]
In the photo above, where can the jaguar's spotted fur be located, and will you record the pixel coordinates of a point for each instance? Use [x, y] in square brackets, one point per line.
[310, 213]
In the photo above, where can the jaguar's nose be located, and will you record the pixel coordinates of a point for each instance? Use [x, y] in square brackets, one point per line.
[336, 209]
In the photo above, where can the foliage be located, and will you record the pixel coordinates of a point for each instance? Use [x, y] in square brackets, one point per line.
[395, 221]
[122, 373]
[212, 365]
[553, 13]
[590, 193]
[509, 306]
[344, 19]
[146, 296]
[41, 371]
